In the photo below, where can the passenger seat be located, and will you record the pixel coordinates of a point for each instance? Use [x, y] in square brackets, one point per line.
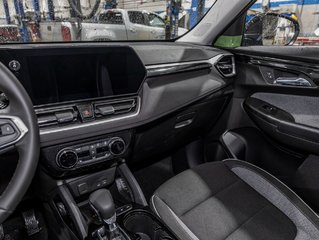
[233, 199]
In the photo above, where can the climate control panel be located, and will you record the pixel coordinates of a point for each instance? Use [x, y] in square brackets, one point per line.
[92, 152]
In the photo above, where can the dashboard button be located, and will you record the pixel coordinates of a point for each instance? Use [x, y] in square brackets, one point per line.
[83, 188]
[64, 117]
[6, 129]
[14, 65]
[86, 112]
[117, 146]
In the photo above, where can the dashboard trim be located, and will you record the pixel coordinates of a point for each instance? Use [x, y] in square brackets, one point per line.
[205, 85]
[172, 68]
[152, 71]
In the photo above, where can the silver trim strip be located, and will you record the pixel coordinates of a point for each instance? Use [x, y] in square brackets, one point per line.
[98, 122]
[162, 69]
[153, 72]
[153, 204]
[21, 127]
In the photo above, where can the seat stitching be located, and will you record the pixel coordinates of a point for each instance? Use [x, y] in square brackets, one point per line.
[211, 196]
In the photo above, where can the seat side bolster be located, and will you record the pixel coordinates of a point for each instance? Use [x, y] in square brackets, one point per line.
[171, 219]
[305, 220]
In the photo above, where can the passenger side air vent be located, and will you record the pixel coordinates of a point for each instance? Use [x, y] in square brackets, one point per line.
[226, 66]
[114, 108]
[56, 116]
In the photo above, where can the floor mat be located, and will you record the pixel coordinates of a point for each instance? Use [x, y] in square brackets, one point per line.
[151, 177]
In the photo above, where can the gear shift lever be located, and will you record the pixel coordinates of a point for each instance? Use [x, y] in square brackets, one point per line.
[102, 202]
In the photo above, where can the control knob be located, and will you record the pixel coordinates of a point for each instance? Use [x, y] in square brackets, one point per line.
[67, 158]
[117, 146]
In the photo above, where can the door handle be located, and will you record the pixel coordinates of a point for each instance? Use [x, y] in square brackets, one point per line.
[183, 123]
[133, 30]
[298, 82]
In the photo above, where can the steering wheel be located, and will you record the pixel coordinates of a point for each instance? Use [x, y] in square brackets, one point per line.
[19, 130]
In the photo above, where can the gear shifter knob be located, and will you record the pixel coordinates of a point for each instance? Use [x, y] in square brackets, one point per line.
[103, 203]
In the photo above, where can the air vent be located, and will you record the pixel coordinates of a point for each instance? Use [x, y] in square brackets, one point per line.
[114, 108]
[56, 116]
[4, 101]
[226, 66]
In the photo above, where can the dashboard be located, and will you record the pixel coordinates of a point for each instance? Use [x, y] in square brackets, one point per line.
[97, 102]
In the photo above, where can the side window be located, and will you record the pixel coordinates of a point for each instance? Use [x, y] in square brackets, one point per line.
[275, 23]
[155, 21]
[280, 23]
[111, 17]
[136, 17]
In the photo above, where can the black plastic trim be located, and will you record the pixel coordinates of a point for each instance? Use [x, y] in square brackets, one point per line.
[281, 126]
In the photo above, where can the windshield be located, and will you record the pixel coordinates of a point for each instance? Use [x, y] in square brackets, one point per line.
[27, 21]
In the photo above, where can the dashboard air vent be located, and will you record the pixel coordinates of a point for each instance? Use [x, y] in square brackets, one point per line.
[226, 66]
[56, 116]
[4, 101]
[108, 109]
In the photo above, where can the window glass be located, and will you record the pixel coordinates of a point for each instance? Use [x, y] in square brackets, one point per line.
[282, 22]
[136, 17]
[32, 21]
[111, 17]
[155, 21]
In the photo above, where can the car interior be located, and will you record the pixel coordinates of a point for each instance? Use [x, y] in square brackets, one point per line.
[160, 140]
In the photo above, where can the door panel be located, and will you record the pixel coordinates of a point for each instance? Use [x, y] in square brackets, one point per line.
[292, 128]
[156, 27]
[137, 29]
[285, 116]
[306, 54]
[138, 32]
[287, 111]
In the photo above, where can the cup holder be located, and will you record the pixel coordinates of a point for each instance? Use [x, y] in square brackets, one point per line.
[145, 226]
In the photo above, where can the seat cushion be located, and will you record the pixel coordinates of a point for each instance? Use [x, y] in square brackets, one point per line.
[233, 200]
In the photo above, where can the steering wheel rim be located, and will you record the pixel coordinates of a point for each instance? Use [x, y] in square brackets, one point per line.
[21, 117]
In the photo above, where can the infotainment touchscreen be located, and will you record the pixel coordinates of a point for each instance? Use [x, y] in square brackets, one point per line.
[68, 77]
[64, 78]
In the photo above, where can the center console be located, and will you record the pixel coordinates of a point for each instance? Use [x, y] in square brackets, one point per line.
[93, 194]
[85, 156]
[138, 224]
[74, 157]
[102, 205]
